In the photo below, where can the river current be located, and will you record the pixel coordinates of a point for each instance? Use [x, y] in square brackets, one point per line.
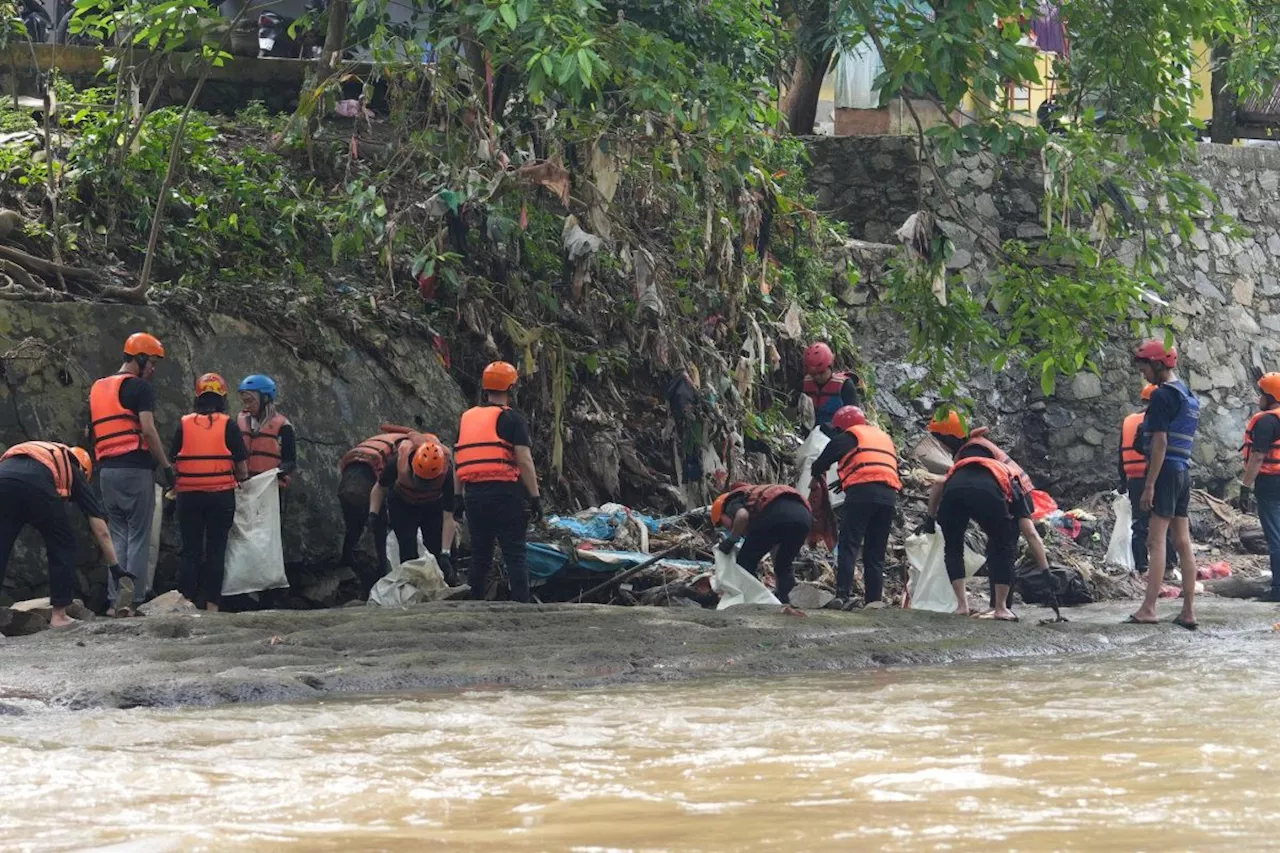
[1122, 751]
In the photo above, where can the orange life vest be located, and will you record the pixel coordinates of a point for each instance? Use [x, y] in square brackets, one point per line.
[874, 460]
[56, 457]
[374, 452]
[1271, 464]
[410, 488]
[263, 445]
[480, 454]
[204, 462]
[759, 497]
[1003, 476]
[1135, 463]
[1024, 480]
[116, 430]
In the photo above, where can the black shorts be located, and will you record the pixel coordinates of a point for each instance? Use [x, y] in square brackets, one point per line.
[1172, 493]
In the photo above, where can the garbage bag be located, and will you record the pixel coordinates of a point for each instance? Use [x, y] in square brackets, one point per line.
[927, 581]
[411, 582]
[393, 548]
[736, 585]
[145, 584]
[1063, 586]
[806, 455]
[1120, 548]
[255, 551]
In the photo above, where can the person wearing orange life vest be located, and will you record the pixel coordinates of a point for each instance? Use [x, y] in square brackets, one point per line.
[1261, 481]
[1133, 480]
[494, 479]
[986, 486]
[768, 518]
[211, 459]
[37, 480]
[418, 489]
[868, 468]
[128, 449]
[359, 470]
[828, 390]
[267, 433]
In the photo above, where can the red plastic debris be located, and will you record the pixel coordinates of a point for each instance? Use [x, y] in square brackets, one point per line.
[1042, 504]
[1213, 571]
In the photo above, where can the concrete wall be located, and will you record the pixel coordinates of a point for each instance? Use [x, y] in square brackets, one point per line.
[1224, 295]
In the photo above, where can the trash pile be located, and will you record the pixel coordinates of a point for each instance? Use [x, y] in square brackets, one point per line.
[615, 554]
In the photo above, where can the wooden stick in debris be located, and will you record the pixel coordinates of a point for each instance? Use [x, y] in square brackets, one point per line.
[622, 576]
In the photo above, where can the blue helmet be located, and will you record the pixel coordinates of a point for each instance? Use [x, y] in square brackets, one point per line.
[263, 385]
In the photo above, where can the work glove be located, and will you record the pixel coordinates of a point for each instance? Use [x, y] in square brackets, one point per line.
[169, 477]
[930, 525]
[836, 487]
[1246, 503]
[726, 544]
[535, 508]
[445, 562]
[459, 509]
[116, 572]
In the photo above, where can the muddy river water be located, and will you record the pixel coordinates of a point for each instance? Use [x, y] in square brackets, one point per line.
[1122, 751]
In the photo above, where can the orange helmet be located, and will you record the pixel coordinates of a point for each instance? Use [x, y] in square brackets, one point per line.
[86, 462]
[1149, 389]
[430, 461]
[211, 383]
[717, 508]
[1270, 385]
[499, 376]
[948, 423]
[141, 343]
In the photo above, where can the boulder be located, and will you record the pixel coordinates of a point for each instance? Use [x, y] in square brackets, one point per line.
[334, 398]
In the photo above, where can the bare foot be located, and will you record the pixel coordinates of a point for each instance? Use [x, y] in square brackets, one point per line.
[962, 611]
[210, 607]
[1003, 614]
[788, 610]
[62, 620]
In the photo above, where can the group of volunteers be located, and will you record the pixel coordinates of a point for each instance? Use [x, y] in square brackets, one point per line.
[411, 483]
[210, 454]
[985, 486]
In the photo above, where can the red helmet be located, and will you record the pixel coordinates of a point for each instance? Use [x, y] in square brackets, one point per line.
[817, 358]
[848, 416]
[1154, 350]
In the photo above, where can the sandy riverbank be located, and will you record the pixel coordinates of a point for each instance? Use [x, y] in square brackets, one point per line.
[298, 655]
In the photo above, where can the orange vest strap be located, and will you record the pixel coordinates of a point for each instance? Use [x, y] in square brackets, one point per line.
[56, 457]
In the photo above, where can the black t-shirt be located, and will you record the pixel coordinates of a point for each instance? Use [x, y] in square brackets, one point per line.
[1163, 408]
[136, 395]
[1265, 433]
[514, 429]
[235, 442]
[780, 508]
[842, 444]
[34, 473]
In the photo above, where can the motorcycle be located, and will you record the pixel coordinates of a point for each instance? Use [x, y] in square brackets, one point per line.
[36, 20]
[273, 36]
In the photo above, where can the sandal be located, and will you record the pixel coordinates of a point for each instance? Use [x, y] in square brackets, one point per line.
[1182, 623]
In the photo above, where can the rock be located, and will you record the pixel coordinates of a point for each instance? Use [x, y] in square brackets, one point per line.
[167, 604]
[1086, 386]
[1199, 240]
[1093, 436]
[18, 623]
[930, 453]
[959, 259]
[808, 596]
[322, 593]
[1240, 587]
[1207, 288]
[1242, 320]
[1242, 290]
[1222, 376]
[1253, 540]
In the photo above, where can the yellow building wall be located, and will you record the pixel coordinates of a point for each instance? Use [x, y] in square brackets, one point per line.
[1202, 76]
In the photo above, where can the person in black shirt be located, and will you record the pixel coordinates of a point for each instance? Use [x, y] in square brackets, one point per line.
[1261, 479]
[418, 488]
[494, 477]
[37, 479]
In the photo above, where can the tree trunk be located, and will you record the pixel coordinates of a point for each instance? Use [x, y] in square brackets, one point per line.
[1226, 100]
[801, 101]
[334, 38]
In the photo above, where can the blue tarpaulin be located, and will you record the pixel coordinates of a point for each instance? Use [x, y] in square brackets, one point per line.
[601, 524]
[547, 560]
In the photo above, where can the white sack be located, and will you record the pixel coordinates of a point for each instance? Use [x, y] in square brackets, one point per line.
[141, 586]
[393, 547]
[413, 582]
[806, 455]
[736, 585]
[1120, 549]
[927, 581]
[255, 551]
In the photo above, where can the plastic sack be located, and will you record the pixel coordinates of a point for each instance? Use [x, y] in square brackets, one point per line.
[255, 551]
[927, 581]
[411, 582]
[736, 585]
[393, 547]
[1042, 504]
[1120, 548]
[145, 585]
[806, 455]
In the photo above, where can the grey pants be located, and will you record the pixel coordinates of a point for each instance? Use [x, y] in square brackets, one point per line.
[129, 496]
